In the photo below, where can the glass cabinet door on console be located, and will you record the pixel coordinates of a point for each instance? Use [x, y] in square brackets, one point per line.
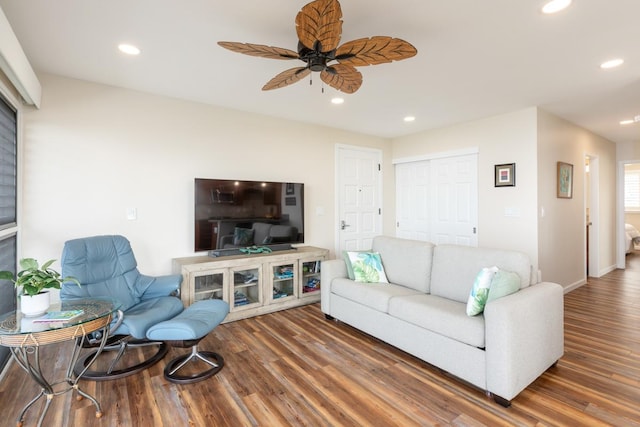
[246, 289]
[283, 278]
[209, 285]
[310, 282]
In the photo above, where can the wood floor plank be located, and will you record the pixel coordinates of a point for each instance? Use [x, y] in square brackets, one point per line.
[295, 368]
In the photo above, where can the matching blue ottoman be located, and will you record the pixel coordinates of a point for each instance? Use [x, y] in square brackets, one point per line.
[186, 330]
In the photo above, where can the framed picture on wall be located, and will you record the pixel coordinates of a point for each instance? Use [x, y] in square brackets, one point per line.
[505, 175]
[565, 180]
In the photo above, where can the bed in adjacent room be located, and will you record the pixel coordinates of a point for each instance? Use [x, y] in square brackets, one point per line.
[632, 236]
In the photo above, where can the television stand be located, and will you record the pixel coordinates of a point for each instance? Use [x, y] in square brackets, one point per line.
[256, 283]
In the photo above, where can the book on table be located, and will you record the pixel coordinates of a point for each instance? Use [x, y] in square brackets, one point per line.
[59, 316]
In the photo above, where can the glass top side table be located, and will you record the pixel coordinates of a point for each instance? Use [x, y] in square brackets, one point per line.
[24, 336]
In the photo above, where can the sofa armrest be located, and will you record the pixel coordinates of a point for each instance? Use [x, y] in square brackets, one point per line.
[524, 337]
[330, 270]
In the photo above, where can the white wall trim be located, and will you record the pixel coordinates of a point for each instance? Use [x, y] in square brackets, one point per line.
[620, 247]
[14, 63]
[440, 155]
[574, 286]
[608, 270]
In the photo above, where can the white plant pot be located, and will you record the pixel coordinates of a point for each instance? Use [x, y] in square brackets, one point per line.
[36, 305]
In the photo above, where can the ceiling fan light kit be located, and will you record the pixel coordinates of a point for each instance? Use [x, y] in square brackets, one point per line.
[319, 29]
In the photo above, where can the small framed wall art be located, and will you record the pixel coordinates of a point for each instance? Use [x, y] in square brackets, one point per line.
[505, 175]
[565, 180]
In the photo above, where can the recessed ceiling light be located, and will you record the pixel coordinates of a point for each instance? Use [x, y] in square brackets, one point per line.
[129, 49]
[555, 6]
[612, 63]
[626, 122]
[337, 101]
[409, 119]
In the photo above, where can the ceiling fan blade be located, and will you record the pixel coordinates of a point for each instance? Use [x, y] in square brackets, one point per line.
[319, 25]
[287, 77]
[260, 50]
[374, 50]
[343, 77]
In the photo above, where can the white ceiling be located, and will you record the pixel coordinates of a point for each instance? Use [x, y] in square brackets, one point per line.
[475, 58]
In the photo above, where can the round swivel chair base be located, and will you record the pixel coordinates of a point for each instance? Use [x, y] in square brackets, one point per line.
[213, 359]
[84, 361]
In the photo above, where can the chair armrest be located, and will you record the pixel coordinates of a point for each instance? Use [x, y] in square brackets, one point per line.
[330, 270]
[160, 286]
[524, 337]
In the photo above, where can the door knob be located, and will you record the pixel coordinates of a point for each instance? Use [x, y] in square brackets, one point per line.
[343, 225]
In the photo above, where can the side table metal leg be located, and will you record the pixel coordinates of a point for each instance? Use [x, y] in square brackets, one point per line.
[74, 358]
[21, 355]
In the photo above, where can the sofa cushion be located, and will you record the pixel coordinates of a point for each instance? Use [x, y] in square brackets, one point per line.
[440, 315]
[261, 232]
[366, 267]
[406, 262]
[455, 268]
[372, 295]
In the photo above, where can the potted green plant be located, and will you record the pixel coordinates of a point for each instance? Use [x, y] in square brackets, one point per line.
[31, 281]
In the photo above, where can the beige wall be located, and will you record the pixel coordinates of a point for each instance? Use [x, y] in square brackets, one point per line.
[92, 151]
[507, 138]
[562, 229]
[535, 140]
[97, 150]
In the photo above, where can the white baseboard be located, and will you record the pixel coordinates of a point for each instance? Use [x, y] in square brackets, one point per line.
[574, 286]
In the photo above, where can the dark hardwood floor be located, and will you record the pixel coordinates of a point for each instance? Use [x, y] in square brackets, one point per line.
[295, 368]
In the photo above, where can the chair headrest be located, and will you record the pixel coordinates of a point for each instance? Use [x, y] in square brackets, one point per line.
[98, 258]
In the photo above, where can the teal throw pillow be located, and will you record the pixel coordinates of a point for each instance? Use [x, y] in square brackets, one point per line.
[367, 267]
[503, 283]
[480, 291]
[242, 236]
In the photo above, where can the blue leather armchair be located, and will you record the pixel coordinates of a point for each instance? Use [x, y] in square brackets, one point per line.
[106, 267]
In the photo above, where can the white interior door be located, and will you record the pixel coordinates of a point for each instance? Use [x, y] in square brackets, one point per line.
[358, 193]
[437, 200]
[454, 213]
[412, 200]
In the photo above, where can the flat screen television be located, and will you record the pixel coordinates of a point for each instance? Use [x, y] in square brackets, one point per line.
[222, 205]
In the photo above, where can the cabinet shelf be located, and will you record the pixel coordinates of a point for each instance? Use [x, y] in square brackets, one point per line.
[206, 277]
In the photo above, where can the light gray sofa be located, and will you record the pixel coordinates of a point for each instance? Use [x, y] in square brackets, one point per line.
[423, 312]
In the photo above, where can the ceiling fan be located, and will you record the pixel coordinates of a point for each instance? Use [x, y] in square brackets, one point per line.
[319, 27]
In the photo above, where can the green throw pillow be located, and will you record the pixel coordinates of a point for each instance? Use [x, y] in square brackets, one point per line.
[243, 236]
[367, 267]
[503, 283]
[480, 291]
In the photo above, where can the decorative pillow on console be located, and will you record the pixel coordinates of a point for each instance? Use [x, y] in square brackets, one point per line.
[490, 284]
[243, 236]
[367, 267]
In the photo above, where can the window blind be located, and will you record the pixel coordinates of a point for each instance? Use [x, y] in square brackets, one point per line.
[8, 165]
[632, 190]
[7, 291]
